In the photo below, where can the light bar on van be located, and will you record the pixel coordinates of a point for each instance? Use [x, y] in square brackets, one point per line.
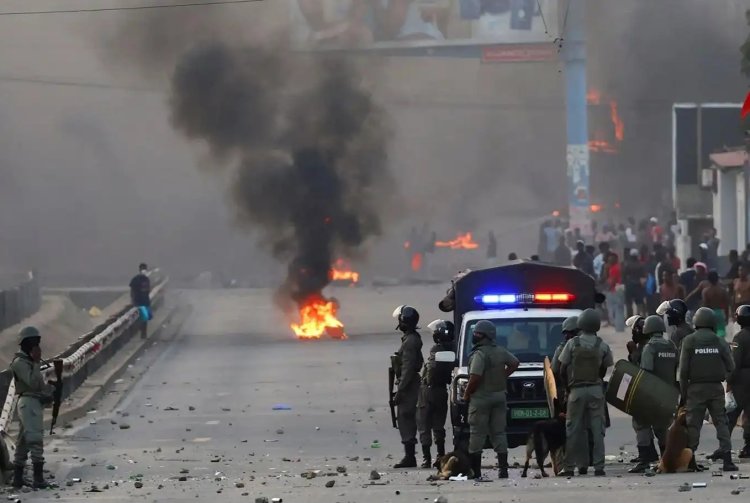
[524, 298]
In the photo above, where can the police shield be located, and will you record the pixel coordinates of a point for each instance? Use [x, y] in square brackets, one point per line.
[550, 386]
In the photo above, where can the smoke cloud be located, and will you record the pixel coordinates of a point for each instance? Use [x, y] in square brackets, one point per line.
[307, 147]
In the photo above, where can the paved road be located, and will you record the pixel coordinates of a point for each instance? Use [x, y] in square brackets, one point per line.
[199, 405]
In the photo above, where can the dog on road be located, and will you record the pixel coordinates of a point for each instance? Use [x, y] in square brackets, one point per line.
[453, 464]
[676, 456]
[546, 438]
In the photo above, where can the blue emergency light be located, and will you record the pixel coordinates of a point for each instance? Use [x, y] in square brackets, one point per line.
[495, 299]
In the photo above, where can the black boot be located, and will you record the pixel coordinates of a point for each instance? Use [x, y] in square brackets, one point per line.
[693, 466]
[426, 457]
[39, 482]
[440, 453]
[642, 464]
[502, 465]
[476, 464]
[717, 455]
[410, 458]
[745, 452]
[651, 455]
[728, 465]
[18, 480]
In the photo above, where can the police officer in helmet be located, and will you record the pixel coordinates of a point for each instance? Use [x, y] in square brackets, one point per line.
[489, 367]
[432, 406]
[705, 362]
[585, 360]
[676, 311]
[658, 357]
[569, 330]
[33, 394]
[409, 362]
[635, 346]
[739, 380]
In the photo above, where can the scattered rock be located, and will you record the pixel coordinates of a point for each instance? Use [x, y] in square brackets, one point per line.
[354, 459]
[239, 485]
[341, 469]
[441, 499]
[182, 479]
[226, 409]
[309, 475]
[280, 431]
[111, 467]
[685, 488]
[374, 475]
[191, 408]
[184, 470]
[138, 484]
[370, 409]
[216, 460]
[124, 426]
[170, 408]
[261, 500]
[330, 484]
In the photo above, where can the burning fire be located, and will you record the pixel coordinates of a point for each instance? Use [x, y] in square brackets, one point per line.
[599, 142]
[462, 242]
[341, 271]
[416, 262]
[317, 317]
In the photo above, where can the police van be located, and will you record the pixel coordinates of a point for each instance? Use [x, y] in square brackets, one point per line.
[527, 302]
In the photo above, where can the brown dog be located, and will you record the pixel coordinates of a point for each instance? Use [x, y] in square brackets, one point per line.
[453, 464]
[546, 438]
[676, 456]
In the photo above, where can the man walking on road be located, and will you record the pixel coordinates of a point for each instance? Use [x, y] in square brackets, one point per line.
[489, 368]
[33, 394]
[584, 362]
[409, 361]
[140, 296]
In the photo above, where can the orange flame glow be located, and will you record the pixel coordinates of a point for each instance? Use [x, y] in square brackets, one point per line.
[593, 97]
[600, 142]
[616, 121]
[462, 242]
[595, 208]
[341, 271]
[416, 262]
[317, 317]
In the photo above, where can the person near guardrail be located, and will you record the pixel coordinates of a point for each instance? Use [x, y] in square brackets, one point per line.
[33, 393]
[140, 296]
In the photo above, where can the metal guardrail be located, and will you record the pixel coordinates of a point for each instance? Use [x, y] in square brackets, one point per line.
[19, 302]
[85, 356]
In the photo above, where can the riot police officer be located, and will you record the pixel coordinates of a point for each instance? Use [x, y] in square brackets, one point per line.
[739, 380]
[489, 367]
[432, 406]
[658, 357]
[635, 346]
[33, 394]
[585, 360]
[676, 312]
[409, 361]
[569, 330]
[705, 362]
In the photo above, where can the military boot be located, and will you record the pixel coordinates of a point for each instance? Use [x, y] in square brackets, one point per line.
[717, 455]
[693, 466]
[728, 465]
[745, 452]
[426, 457]
[440, 453]
[39, 482]
[651, 455]
[642, 464]
[502, 465]
[18, 480]
[410, 458]
[476, 464]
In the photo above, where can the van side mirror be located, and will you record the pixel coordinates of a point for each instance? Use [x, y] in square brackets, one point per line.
[445, 357]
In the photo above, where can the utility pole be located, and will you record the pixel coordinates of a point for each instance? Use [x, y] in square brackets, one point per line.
[574, 55]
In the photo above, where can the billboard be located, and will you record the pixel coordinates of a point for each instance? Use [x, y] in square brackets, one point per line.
[397, 24]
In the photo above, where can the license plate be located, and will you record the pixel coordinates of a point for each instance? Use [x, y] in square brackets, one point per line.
[529, 413]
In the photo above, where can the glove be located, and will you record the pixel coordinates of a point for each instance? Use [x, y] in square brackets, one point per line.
[397, 398]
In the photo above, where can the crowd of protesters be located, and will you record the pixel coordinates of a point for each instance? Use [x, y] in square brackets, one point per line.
[636, 267]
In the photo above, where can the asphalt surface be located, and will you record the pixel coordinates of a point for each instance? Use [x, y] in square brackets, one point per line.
[193, 419]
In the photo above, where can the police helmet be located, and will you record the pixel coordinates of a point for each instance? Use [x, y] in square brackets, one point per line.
[675, 310]
[704, 318]
[442, 331]
[743, 315]
[28, 333]
[654, 325]
[407, 317]
[570, 325]
[485, 328]
[589, 321]
[635, 323]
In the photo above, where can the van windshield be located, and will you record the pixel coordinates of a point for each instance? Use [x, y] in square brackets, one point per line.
[529, 339]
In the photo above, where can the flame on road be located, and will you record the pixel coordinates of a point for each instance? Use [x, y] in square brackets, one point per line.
[462, 242]
[317, 317]
[341, 271]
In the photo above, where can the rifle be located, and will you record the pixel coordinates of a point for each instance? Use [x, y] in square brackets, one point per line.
[391, 395]
[57, 395]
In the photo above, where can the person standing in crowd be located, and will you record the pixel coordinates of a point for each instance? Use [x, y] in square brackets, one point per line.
[656, 231]
[489, 367]
[630, 233]
[700, 281]
[669, 288]
[672, 259]
[584, 362]
[745, 256]
[583, 261]
[712, 250]
[734, 265]
[739, 381]
[705, 362]
[601, 259]
[569, 330]
[615, 294]
[634, 278]
[562, 253]
[716, 298]
[551, 236]
[491, 249]
[741, 286]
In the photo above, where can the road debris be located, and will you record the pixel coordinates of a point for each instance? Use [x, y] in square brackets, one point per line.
[330, 484]
[124, 426]
[138, 484]
[374, 475]
[239, 485]
[281, 406]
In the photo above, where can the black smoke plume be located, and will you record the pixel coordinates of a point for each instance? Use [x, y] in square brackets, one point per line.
[307, 145]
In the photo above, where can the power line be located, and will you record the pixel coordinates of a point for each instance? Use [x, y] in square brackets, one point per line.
[134, 7]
